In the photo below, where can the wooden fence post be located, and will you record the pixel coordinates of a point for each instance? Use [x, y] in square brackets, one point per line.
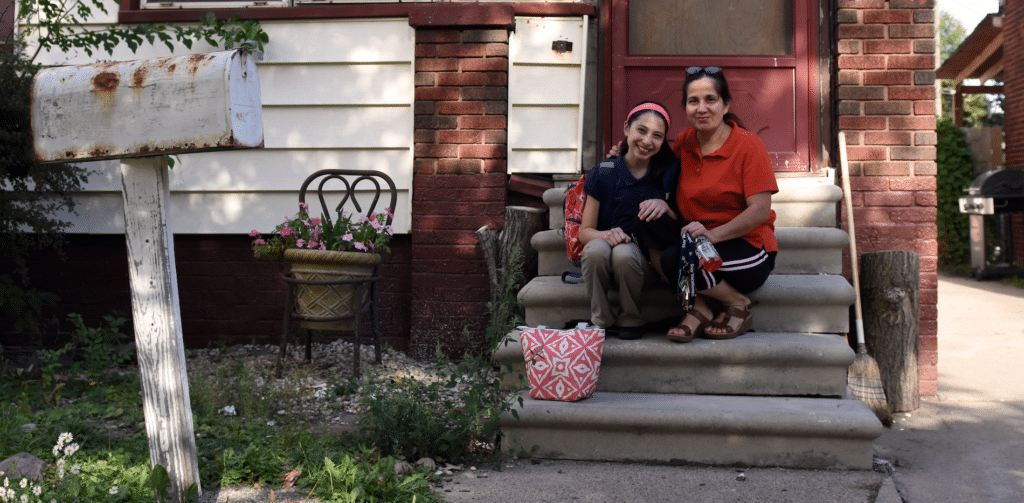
[890, 282]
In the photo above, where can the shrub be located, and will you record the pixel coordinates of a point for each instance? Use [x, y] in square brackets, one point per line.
[955, 165]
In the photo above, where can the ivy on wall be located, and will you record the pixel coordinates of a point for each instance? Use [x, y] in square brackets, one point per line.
[955, 166]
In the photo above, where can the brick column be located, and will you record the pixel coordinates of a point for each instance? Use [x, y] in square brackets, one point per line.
[1013, 91]
[886, 107]
[459, 181]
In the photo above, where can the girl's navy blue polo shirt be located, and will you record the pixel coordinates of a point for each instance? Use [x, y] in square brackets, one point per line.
[620, 194]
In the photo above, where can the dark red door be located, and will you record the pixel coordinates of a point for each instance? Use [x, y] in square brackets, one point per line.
[763, 46]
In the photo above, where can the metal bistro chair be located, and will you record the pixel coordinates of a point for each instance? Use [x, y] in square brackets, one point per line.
[349, 179]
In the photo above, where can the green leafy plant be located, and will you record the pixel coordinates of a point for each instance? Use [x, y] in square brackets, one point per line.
[955, 166]
[348, 232]
[353, 480]
[102, 348]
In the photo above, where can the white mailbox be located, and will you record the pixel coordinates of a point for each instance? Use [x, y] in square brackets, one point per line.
[137, 108]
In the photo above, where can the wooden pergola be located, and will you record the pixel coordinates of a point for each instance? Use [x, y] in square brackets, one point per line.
[979, 57]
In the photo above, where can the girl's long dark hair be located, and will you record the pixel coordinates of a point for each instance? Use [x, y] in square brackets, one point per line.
[721, 85]
[664, 158]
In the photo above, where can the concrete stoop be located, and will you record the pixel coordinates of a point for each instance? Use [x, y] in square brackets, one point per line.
[812, 433]
[770, 397]
[756, 363]
[787, 303]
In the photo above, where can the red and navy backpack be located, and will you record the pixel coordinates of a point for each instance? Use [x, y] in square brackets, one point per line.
[572, 206]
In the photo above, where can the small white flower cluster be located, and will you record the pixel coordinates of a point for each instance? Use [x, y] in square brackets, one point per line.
[8, 494]
[64, 449]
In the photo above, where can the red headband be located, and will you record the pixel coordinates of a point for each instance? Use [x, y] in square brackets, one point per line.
[652, 106]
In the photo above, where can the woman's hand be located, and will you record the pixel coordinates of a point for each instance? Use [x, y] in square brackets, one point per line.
[615, 236]
[697, 229]
[653, 209]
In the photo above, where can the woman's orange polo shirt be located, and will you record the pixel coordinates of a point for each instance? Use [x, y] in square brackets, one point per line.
[713, 188]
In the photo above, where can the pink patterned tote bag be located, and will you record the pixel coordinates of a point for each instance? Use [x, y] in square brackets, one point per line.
[562, 364]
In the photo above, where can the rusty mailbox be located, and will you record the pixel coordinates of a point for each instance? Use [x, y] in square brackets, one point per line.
[138, 108]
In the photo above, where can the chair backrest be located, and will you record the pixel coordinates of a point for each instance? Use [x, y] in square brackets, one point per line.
[349, 181]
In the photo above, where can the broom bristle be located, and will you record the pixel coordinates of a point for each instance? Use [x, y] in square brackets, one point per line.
[865, 382]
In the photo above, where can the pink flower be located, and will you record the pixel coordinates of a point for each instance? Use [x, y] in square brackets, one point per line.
[300, 242]
[306, 223]
[317, 233]
[287, 231]
[303, 207]
[259, 242]
[366, 218]
[392, 215]
[314, 221]
[254, 233]
[360, 246]
[313, 245]
[389, 230]
[322, 247]
[376, 226]
[347, 237]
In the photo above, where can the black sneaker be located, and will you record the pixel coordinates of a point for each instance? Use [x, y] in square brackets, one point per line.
[630, 333]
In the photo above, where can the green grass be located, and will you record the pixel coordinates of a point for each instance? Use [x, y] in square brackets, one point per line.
[104, 414]
[1015, 281]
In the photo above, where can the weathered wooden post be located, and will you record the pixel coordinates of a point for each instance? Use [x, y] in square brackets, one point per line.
[139, 111]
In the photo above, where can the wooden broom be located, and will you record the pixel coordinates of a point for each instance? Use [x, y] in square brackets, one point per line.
[863, 377]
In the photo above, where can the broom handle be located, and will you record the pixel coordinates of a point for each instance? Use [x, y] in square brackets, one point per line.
[848, 200]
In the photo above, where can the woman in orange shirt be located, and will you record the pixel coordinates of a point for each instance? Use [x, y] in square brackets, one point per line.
[725, 186]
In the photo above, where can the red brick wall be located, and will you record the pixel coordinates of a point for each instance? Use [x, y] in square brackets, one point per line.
[459, 183]
[225, 294]
[886, 61]
[1013, 91]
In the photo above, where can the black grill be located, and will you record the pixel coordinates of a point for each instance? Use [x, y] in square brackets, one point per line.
[990, 199]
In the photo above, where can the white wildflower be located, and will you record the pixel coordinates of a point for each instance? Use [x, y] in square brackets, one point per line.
[24, 498]
[228, 410]
[37, 490]
[23, 483]
[113, 490]
[70, 450]
[76, 469]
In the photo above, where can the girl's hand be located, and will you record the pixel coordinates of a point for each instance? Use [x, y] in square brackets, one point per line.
[615, 236]
[614, 151]
[653, 209]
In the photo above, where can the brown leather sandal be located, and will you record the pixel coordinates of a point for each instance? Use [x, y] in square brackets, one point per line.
[687, 335]
[734, 312]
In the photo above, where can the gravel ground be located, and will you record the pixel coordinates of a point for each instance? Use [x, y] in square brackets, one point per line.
[304, 394]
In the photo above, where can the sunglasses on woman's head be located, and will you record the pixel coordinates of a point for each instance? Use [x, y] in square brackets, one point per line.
[707, 70]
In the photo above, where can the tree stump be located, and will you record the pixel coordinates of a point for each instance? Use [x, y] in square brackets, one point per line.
[521, 223]
[890, 282]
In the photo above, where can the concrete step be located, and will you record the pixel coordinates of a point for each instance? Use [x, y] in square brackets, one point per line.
[800, 202]
[756, 363]
[802, 303]
[802, 250]
[811, 433]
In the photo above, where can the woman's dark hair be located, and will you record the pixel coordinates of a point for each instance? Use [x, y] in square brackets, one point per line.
[664, 157]
[721, 86]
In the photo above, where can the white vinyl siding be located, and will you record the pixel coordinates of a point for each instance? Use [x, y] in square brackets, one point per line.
[335, 93]
[546, 95]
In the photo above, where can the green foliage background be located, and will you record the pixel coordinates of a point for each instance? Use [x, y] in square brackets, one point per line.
[955, 166]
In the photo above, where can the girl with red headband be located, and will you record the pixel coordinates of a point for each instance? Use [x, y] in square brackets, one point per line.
[627, 220]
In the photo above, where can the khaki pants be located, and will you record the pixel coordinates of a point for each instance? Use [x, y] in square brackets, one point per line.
[626, 266]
